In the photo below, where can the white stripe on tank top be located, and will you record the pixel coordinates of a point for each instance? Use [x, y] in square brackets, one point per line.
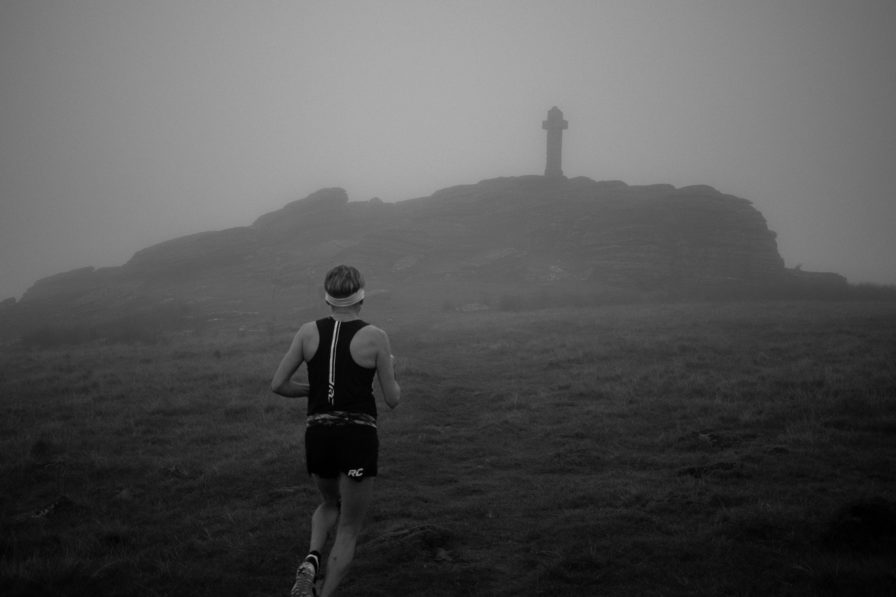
[331, 393]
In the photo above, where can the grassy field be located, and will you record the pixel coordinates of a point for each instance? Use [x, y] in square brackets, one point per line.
[694, 449]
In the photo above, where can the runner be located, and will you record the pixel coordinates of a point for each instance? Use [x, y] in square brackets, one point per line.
[342, 353]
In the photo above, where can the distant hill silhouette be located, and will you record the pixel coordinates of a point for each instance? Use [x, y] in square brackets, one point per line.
[500, 243]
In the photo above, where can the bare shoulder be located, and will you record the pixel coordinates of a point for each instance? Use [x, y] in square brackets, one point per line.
[373, 338]
[307, 338]
[306, 332]
[308, 329]
[373, 334]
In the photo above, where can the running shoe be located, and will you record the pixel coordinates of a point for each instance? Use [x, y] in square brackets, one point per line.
[304, 585]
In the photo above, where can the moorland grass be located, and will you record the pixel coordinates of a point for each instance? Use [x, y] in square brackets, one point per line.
[692, 449]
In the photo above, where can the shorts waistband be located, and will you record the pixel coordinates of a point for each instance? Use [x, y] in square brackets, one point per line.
[340, 417]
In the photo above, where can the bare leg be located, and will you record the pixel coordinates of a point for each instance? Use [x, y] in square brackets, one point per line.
[356, 497]
[327, 513]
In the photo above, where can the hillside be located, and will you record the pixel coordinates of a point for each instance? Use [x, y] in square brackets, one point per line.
[681, 450]
[501, 240]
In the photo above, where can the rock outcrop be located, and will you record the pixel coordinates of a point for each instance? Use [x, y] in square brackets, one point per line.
[506, 235]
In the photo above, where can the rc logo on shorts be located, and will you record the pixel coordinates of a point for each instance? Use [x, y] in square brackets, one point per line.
[356, 472]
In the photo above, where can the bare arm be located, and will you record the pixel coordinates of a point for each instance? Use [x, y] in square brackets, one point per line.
[282, 382]
[385, 371]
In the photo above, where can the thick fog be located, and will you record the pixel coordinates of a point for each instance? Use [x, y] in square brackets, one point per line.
[126, 123]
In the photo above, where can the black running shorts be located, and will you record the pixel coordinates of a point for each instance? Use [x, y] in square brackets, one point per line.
[352, 450]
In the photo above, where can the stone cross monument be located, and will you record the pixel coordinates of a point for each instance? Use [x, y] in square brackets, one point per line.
[554, 125]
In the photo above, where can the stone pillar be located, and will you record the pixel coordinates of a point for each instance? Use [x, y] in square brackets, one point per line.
[554, 125]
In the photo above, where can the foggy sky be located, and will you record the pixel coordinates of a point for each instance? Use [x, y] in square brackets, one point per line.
[126, 123]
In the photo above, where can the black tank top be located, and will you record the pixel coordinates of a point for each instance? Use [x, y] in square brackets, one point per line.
[337, 382]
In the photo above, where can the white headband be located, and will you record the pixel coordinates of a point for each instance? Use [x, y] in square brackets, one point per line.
[347, 301]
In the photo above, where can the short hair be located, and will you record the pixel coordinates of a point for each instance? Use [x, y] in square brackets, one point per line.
[343, 281]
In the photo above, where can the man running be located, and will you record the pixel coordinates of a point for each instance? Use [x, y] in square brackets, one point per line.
[342, 353]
